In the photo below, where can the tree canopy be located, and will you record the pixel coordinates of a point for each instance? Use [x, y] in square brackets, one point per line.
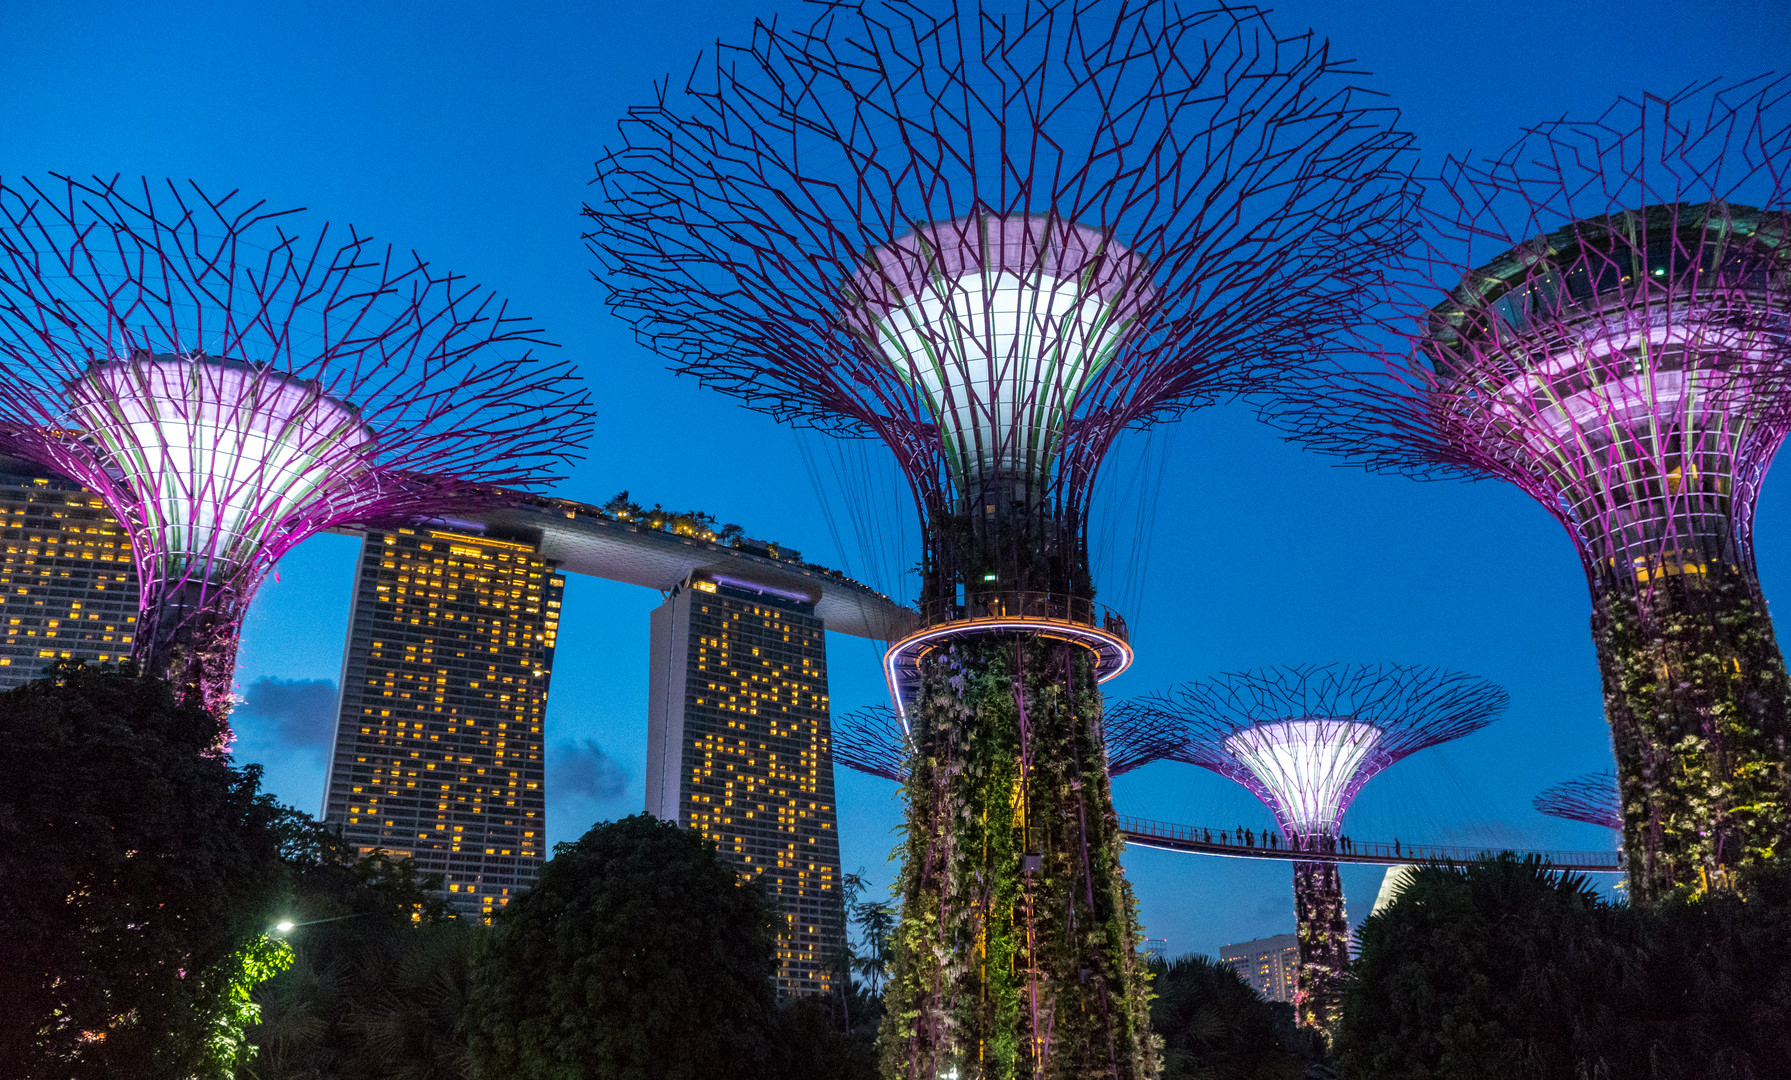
[379, 970]
[1508, 968]
[637, 955]
[138, 873]
[1215, 1026]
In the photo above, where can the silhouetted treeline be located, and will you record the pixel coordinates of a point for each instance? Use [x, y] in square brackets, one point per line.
[1508, 969]
[142, 877]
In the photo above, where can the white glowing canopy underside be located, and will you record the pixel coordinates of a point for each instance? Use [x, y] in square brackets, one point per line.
[1306, 766]
[1570, 404]
[1000, 359]
[218, 454]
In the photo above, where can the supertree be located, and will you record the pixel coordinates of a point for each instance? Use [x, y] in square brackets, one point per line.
[1591, 798]
[1305, 740]
[993, 241]
[873, 741]
[1599, 319]
[230, 385]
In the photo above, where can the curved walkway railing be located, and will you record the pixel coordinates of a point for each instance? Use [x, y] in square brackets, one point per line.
[980, 605]
[1091, 625]
[1161, 834]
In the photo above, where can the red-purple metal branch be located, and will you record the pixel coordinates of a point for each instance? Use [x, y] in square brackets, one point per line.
[872, 740]
[1305, 739]
[1599, 316]
[232, 379]
[1603, 318]
[1228, 183]
[1591, 798]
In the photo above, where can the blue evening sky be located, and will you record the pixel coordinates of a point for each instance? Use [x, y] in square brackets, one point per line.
[467, 132]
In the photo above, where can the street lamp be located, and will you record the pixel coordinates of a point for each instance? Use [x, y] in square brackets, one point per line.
[286, 926]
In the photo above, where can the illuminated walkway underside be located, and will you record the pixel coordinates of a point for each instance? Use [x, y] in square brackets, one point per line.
[1143, 832]
[901, 664]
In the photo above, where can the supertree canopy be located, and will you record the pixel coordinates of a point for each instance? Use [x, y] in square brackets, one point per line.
[873, 741]
[994, 240]
[230, 385]
[1304, 740]
[1601, 319]
[1591, 798]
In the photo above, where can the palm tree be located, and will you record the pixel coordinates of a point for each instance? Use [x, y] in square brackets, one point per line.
[876, 925]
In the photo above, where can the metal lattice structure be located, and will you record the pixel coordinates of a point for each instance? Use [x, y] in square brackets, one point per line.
[231, 379]
[994, 241]
[1601, 317]
[1120, 216]
[873, 741]
[1591, 798]
[1304, 740]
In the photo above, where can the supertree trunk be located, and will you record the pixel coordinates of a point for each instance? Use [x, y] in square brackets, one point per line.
[1016, 951]
[187, 634]
[1696, 692]
[1323, 930]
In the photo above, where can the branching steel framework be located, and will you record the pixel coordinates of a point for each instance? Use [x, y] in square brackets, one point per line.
[994, 240]
[231, 382]
[1304, 740]
[1591, 798]
[1601, 318]
[872, 740]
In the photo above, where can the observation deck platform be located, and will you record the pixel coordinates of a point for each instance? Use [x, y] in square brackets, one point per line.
[1051, 615]
[1144, 832]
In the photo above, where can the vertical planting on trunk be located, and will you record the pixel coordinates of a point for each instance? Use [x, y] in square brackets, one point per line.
[1016, 951]
[1324, 943]
[1696, 692]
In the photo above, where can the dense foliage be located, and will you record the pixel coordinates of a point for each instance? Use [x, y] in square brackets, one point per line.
[1323, 928]
[1017, 938]
[637, 954]
[381, 981]
[379, 970]
[1215, 1026]
[1700, 709]
[1509, 969]
[138, 873]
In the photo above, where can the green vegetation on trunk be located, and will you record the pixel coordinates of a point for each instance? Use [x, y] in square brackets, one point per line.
[1324, 943]
[1017, 940]
[1696, 693]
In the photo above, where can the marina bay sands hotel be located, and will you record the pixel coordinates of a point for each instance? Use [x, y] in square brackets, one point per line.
[440, 742]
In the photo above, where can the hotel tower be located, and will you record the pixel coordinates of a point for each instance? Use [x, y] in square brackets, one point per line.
[439, 746]
[738, 748]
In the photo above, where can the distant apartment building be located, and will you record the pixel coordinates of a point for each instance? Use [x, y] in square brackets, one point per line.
[739, 749]
[1270, 964]
[439, 748]
[68, 587]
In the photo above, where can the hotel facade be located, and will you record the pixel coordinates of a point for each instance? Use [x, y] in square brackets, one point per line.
[739, 749]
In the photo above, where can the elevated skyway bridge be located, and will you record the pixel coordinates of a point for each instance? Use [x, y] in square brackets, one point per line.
[1165, 836]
